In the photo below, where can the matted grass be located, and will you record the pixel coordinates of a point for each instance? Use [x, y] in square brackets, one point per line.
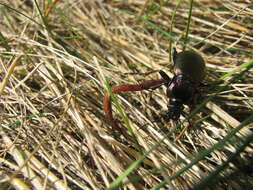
[59, 58]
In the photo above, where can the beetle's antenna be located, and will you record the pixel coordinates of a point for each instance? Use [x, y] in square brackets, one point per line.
[139, 73]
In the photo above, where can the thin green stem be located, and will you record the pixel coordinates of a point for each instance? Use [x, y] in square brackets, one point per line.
[188, 25]
[171, 28]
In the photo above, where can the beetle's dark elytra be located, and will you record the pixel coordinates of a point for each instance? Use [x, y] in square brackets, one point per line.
[190, 64]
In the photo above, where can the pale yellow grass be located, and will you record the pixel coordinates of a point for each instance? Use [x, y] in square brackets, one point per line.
[53, 133]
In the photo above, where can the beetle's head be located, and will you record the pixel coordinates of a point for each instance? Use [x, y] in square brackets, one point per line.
[175, 108]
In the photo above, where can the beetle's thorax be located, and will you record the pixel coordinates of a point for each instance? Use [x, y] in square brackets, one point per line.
[181, 88]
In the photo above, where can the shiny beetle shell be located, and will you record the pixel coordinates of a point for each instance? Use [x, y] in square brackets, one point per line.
[191, 65]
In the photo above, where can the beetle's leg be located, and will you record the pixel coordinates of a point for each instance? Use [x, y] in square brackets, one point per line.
[162, 73]
[174, 55]
[203, 85]
[145, 73]
[150, 72]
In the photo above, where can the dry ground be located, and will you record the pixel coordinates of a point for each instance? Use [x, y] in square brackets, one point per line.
[55, 56]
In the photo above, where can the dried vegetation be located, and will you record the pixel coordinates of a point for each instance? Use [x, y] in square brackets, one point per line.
[54, 60]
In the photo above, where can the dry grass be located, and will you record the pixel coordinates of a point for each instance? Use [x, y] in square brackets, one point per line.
[53, 132]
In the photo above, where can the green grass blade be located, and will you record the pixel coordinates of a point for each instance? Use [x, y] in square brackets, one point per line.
[19, 12]
[212, 177]
[4, 42]
[171, 28]
[116, 183]
[188, 24]
[204, 153]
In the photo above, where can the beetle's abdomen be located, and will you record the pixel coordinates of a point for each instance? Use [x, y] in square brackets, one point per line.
[191, 65]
